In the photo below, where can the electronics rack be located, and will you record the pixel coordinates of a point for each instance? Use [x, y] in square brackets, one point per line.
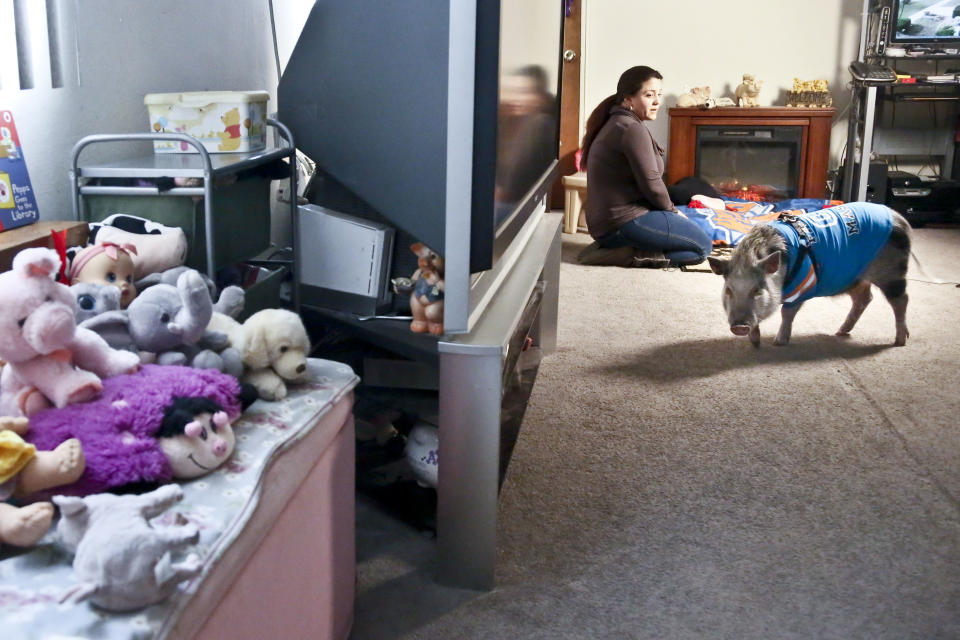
[886, 77]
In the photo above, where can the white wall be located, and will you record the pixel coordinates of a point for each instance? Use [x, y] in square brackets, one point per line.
[128, 48]
[705, 42]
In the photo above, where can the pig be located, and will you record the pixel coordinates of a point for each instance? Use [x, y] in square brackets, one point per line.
[843, 249]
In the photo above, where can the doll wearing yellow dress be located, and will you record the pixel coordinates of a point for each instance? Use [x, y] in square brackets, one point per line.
[24, 470]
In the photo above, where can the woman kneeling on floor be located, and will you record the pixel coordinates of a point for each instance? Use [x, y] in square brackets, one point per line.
[629, 211]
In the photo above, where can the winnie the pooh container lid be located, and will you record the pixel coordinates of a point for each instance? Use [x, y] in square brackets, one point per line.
[223, 121]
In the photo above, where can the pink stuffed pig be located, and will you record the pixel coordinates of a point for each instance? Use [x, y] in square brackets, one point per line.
[50, 361]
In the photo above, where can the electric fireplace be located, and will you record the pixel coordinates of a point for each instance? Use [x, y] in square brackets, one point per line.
[753, 163]
[753, 153]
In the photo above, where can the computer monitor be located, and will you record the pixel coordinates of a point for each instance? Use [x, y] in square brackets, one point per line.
[925, 22]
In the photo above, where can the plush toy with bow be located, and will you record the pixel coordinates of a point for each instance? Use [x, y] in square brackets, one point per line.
[106, 263]
[50, 361]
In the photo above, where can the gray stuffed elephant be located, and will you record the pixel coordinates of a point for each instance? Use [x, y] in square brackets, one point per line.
[229, 303]
[168, 324]
[94, 299]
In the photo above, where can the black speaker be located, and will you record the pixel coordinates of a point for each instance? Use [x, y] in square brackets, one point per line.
[876, 182]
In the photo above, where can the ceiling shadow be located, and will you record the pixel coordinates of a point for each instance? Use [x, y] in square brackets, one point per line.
[694, 359]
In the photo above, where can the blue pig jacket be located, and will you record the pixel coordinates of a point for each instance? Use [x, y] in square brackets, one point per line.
[840, 242]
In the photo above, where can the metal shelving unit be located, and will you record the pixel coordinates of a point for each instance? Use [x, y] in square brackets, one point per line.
[862, 125]
[204, 165]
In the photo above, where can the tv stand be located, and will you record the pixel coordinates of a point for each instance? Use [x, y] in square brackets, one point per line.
[471, 386]
[872, 139]
[471, 389]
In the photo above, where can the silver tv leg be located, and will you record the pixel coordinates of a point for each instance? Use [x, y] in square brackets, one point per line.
[470, 395]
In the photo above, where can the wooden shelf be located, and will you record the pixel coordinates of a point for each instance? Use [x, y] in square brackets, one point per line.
[38, 234]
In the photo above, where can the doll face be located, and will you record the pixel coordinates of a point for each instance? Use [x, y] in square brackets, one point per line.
[102, 269]
[205, 444]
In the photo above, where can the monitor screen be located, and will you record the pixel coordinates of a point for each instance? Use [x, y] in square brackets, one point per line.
[528, 109]
[930, 21]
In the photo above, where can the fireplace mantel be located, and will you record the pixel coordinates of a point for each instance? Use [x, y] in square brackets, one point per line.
[815, 142]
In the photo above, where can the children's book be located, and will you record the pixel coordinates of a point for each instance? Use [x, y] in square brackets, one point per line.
[18, 205]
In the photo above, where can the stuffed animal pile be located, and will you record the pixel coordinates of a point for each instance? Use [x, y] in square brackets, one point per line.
[124, 381]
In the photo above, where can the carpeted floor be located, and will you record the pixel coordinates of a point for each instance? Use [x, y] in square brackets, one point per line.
[670, 481]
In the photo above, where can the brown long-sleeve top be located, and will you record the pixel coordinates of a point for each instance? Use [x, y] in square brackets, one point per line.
[624, 174]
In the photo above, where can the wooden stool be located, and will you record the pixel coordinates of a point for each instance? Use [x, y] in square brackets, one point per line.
[575, 192]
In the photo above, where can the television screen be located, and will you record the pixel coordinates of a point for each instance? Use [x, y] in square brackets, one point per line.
[528, 108]
[919, 21]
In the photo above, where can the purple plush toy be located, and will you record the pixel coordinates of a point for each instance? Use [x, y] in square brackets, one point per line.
[119, 430]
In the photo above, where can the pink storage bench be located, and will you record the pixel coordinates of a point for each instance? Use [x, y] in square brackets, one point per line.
[277, 536]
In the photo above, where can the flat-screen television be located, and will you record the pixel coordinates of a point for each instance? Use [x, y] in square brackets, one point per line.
[441, 116]
[925, 21]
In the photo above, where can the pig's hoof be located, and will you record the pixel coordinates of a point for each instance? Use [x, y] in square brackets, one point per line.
[901, 339]
[842, 334]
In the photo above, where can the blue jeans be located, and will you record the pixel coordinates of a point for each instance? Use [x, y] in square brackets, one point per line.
[680, 239]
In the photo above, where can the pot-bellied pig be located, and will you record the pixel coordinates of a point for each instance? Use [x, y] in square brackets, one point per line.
[822, 253]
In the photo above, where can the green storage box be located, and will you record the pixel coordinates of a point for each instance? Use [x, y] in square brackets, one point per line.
[265, 293]
[241, 214]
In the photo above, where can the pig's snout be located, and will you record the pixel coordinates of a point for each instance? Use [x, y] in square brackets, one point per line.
[50, 327]
[740, 329]
[219, 447]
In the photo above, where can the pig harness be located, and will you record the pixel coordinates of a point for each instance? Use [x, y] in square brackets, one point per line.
[828, 250]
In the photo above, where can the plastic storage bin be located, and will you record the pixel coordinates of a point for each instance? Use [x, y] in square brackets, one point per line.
[223, 121]
[242, 210]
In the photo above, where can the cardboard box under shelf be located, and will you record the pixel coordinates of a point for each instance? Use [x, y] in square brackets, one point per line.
[241, 214]
[265, 292]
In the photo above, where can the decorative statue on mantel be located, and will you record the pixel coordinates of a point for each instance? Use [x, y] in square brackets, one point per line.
[809, 93]
[748, 91]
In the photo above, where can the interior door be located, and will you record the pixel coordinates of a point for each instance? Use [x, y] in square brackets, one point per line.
[569, 98]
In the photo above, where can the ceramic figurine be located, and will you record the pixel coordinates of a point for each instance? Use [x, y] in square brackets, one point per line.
[748, 91]
[421, 452]
[426, 299]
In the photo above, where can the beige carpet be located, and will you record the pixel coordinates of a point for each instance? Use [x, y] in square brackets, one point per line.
[671, 481]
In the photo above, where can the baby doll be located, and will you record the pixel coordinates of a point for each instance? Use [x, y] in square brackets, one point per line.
[106, 263]
[24, 470]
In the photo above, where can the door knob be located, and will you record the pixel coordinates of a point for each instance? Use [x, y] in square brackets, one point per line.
[569, 55]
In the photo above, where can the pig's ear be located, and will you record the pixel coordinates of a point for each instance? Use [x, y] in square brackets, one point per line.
[771, 263]
[720, 266]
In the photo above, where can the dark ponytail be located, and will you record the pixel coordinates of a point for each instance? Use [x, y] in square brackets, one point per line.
[630, 82]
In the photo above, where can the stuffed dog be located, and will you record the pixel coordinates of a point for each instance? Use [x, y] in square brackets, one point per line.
[274, 346]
